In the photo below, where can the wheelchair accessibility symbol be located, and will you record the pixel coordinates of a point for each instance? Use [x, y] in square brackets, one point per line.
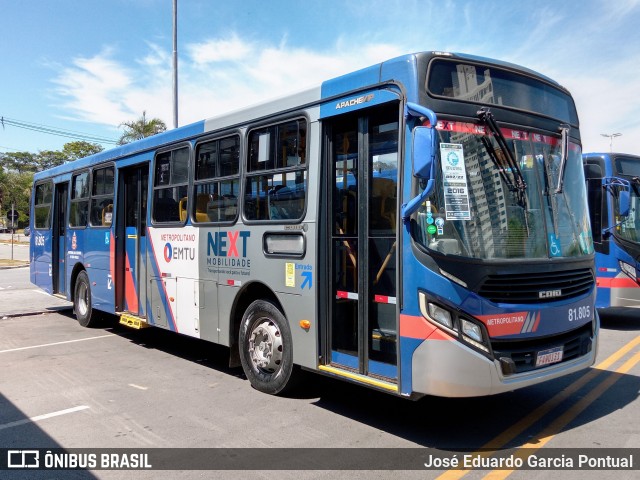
[555, 248]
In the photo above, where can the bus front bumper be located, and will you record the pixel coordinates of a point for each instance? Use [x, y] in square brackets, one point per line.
[449, 369]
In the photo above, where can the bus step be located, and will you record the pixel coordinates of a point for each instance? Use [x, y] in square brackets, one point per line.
[132, 321]
[392, 387]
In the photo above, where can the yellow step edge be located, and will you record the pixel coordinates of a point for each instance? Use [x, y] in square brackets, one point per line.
[359, 378]
[133, 321]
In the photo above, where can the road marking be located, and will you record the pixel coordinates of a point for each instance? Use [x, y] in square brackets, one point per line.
[42, 292]
[517, 428]
[43, 417]
[55, 343]
[559, 423]
[138, 386]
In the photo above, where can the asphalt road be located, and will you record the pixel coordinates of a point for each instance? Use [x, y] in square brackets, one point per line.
[63, 386]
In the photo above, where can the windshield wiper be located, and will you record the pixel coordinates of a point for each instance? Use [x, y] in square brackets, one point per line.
[564, 132]
[506, 164]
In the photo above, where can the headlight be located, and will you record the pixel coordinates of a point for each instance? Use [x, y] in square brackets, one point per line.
[437, 314]
[440, 315]
[472, 333]
[471, 330]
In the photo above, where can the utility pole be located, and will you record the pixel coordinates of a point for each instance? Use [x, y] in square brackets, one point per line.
[175, 63]
[13, 209]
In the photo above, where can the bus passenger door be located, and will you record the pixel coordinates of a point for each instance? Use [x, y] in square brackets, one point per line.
[362, 211]
[131, 274]
[59, 244]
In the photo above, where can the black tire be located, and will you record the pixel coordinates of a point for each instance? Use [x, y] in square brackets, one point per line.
[266, 349]
[82, 303]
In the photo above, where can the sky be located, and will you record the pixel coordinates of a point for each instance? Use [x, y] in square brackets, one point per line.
[87, 66]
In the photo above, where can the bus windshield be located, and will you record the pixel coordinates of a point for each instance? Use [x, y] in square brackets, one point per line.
[489, 85]
[629, 228]
[476, 212]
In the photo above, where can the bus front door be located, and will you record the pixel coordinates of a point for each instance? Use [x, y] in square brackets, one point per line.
[131, 274]
[59, 242]
[362, 210]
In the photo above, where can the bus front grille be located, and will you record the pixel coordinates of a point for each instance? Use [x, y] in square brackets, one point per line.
[520, 356]
[536, 287]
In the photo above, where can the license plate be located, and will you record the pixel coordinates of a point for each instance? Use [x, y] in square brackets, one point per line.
[547, 357]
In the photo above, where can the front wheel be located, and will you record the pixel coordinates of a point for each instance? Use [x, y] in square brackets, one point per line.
[82, 305]
[266, 348]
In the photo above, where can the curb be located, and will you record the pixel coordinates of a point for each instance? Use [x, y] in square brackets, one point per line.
[8, 267]
[33, 314]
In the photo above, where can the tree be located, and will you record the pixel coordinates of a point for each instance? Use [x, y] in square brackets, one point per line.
[49, 158]
[16, 188]
[19, 161]
[80, 149]
[141, 128]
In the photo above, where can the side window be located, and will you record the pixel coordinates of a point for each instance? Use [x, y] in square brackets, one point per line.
[170, 186]
[276, 179]
[217, 184]
[42, 205]
[79, 211]
[102, 197]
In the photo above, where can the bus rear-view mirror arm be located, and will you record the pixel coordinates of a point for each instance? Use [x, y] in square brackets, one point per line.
[624, 198]
[423, 155]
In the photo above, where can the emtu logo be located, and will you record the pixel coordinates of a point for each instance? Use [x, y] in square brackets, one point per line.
[168, 252]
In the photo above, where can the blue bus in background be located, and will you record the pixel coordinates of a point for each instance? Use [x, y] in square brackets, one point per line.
[419, 227]
[613, 189]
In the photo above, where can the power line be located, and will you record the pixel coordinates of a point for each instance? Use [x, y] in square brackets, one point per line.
[55, 131]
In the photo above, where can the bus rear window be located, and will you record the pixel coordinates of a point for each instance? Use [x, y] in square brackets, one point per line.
[490, 85]
[628, 166]
[42, 205]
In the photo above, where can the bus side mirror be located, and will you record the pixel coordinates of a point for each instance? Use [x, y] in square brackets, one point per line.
[424, 152]
[619, 188]
[423, 155]
[624, 203]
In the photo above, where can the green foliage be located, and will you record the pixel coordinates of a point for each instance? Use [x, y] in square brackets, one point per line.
[141, 128]
[15, 187]
[76, 150]
[19, 161]
[17, 169]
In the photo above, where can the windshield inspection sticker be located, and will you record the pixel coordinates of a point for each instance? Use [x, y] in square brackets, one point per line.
[454, 179]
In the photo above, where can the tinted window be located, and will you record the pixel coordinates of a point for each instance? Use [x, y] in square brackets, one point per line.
[170, 186]
[217, 184]
[42, 205]
[276, 180]
[493, 86]
[79, 210]
[102, 197]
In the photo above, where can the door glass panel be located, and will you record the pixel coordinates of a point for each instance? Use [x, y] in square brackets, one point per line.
[363, 219]
[344, 228]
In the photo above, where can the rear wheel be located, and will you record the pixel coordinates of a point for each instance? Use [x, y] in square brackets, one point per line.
[82, 304]
[266, 349]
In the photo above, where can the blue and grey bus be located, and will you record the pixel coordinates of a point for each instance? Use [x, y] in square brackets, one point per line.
[419, 227]
[613, 189]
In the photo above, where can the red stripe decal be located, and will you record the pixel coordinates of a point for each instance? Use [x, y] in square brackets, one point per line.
[131, 296]
[419, 328]
[618, 282]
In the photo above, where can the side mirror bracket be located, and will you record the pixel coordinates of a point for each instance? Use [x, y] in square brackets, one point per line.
[423, 155]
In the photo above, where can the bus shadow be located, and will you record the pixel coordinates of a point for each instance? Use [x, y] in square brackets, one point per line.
[192, 349]
[19, 433]
[434, 422]
[472, 423]
[620, 318]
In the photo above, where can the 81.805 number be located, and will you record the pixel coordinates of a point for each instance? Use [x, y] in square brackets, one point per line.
[579, 313]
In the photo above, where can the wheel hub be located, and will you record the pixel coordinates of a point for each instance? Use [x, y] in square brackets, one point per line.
[265, 346]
